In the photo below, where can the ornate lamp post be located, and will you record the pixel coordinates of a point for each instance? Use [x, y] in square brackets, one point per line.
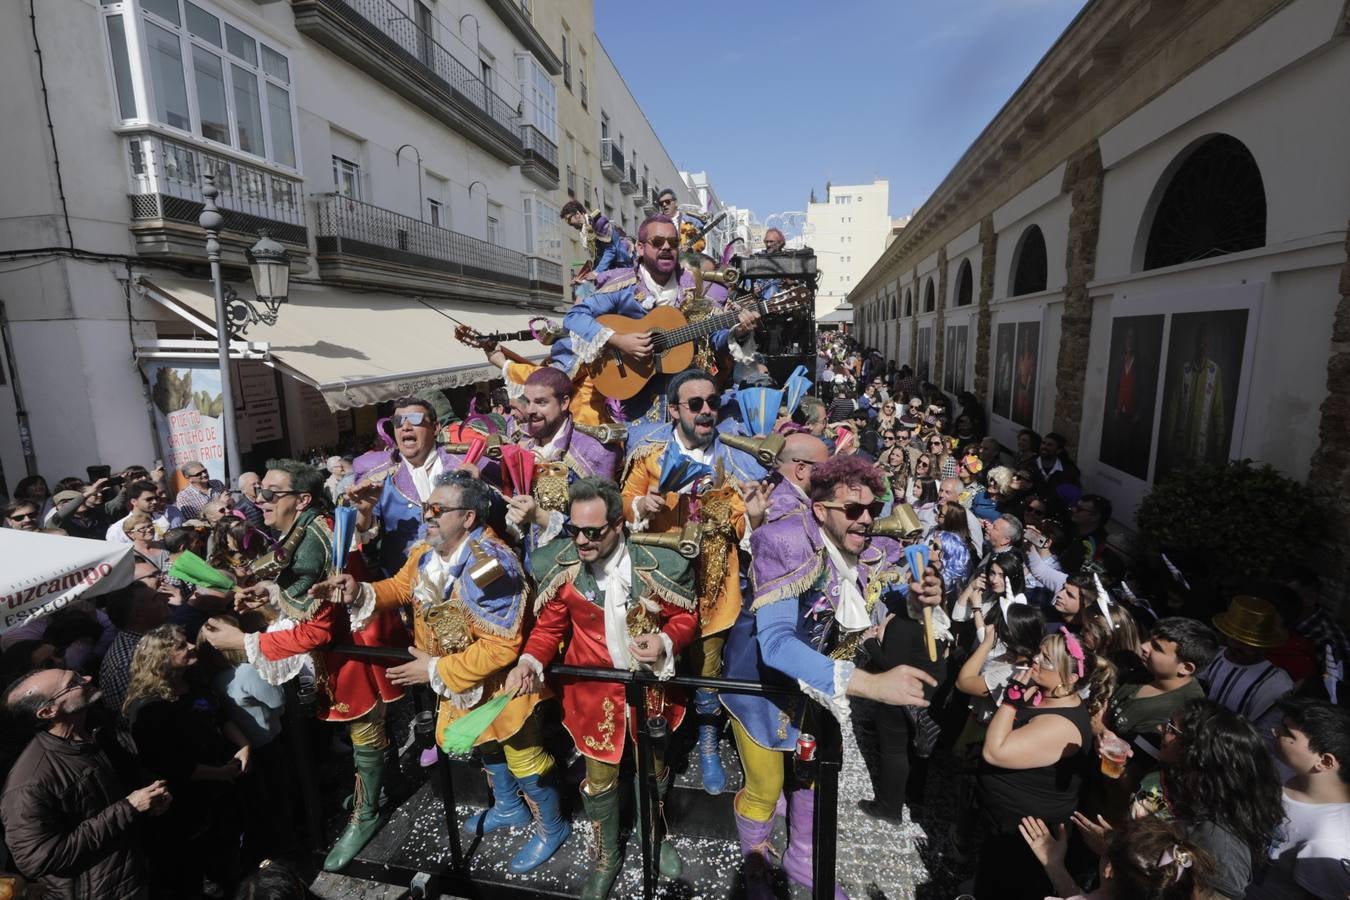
[269, 262]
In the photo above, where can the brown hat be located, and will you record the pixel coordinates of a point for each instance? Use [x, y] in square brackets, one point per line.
[1252, 621]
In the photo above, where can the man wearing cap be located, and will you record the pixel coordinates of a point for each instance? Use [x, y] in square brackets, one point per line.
[1241, 678]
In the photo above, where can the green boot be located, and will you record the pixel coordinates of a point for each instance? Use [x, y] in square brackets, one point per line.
[367, 817]
[603, 811]
[668, 861]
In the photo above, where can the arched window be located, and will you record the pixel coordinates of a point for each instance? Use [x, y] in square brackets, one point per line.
[1029, 268]
[909, 302]
[965, 290]
[929, 297]
[1214, 204]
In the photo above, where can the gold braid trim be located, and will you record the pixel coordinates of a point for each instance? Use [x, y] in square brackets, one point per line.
[640, 455]
[792, 588]
[668, 594]
[557, 577]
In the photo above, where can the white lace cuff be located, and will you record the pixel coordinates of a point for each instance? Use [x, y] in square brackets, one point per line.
[466, 700]
[837, 703]
[370, 533]
[553, 528]
[742, 350]
[667, 667]
[514, 390]
[274, 672]
[639, 522]
[588, 351]
[745, 541]
[534, 664]
[362, 607]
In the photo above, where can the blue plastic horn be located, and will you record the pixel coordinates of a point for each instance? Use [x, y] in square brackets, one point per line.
[917, 554]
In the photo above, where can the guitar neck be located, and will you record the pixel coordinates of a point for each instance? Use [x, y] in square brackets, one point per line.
[705, 327]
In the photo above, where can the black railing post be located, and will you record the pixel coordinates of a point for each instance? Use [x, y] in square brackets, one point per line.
[636, 695]
[451, 810]
[829, 758]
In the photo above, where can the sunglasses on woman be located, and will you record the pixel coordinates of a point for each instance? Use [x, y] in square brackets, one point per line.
[591, 532]
[853, 511]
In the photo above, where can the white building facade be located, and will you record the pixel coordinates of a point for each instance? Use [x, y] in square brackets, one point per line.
[406, 154]
[848, 232]
[1146, 257]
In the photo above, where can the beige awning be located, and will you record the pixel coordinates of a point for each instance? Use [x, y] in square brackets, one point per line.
[361, 348]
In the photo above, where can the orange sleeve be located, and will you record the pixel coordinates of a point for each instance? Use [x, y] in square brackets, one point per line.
[394, 592]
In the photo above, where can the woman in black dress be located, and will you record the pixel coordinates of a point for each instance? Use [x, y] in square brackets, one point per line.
[1035, 752]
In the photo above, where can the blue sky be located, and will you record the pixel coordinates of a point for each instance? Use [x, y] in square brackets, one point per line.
[841, 90]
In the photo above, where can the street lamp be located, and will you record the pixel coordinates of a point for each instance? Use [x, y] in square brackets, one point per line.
[269, 262]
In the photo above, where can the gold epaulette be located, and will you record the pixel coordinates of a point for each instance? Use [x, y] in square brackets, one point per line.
[618, 284]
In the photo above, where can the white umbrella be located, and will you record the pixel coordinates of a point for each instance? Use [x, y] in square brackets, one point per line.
[41, 573]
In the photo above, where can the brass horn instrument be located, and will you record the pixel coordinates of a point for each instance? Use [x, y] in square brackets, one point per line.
[272, 563]
[494, 447]
[726, 276]
[902, 523]
[684, 542]
[609, 433]
[764, 448]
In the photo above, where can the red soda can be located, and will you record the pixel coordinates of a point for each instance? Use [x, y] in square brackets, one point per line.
[806, 748]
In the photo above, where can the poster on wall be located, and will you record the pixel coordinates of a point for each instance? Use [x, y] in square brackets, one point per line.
[188, 406]
[954, 360]
[922, 365]
[1004, 347]
[1131, 393]
[1026, 363]
[1204, 368]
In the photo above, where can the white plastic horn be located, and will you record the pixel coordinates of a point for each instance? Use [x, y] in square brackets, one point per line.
[1103, 601]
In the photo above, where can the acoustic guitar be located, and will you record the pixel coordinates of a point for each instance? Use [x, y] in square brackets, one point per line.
[620, 375]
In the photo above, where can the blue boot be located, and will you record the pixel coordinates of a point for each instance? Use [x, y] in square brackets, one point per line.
[709, 758]
[507, 809]
[550, 830]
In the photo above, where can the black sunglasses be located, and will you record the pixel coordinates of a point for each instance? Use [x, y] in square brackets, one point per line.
[270, 494]
[592, 532]
[695, 404]
[853, 511]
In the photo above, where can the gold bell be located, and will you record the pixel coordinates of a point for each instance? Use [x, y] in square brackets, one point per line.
[684, 542]
[486, 568]
[902, 523]
[765, 448]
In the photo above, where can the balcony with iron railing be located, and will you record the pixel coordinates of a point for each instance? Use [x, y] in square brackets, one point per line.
[165, 177]
[541, 157]
[361, 242]
[612, 164]
[379, 38]
[629, 185]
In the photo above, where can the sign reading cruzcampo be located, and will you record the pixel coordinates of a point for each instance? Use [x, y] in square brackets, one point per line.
[188, 408]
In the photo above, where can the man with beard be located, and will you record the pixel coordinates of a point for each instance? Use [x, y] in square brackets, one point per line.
[468, 594]
[389, 497]
[810, 610]
[616, 604]
[351, 691]
[563, 454]
[692, 433]
[69, 824]
[657, 280]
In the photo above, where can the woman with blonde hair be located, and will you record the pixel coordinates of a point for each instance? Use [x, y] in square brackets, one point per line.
[1035, 753]
[140, 530]
[182, 736]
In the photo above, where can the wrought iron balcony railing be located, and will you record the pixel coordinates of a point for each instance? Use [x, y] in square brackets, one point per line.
[344, 226]
[166, 184]
[611, 160]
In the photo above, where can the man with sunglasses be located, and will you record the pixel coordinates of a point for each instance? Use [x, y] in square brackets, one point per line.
[467, 593]
[810, 608]
[70, 825]
[692, 434]
[351, 691]
[607, 247]
[389, 497]
[657, 280]
[616, 604]
[799, 457]
[552, 437]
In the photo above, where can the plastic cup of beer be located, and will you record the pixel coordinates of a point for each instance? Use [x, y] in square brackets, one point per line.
[1114, 752]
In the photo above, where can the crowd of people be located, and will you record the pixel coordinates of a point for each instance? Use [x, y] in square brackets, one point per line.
[867, 549]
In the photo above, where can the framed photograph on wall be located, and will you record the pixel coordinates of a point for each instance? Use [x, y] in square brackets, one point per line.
[1131, 393]
[1205, 356]
[1026, 366]
[923, 360]
[1005, 340]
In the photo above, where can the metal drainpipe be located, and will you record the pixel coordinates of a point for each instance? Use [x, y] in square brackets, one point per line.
[20, 413]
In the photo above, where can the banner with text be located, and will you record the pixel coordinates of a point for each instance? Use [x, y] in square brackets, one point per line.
[188, 409]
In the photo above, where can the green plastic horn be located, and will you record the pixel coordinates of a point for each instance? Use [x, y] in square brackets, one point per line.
[461, 734]
[193, 569]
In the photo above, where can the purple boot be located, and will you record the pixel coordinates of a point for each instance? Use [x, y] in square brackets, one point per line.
[801, 834]
[758, 854]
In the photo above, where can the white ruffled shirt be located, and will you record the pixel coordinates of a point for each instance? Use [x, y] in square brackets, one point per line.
[850, 609]
[424, 476]
[667, 294]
